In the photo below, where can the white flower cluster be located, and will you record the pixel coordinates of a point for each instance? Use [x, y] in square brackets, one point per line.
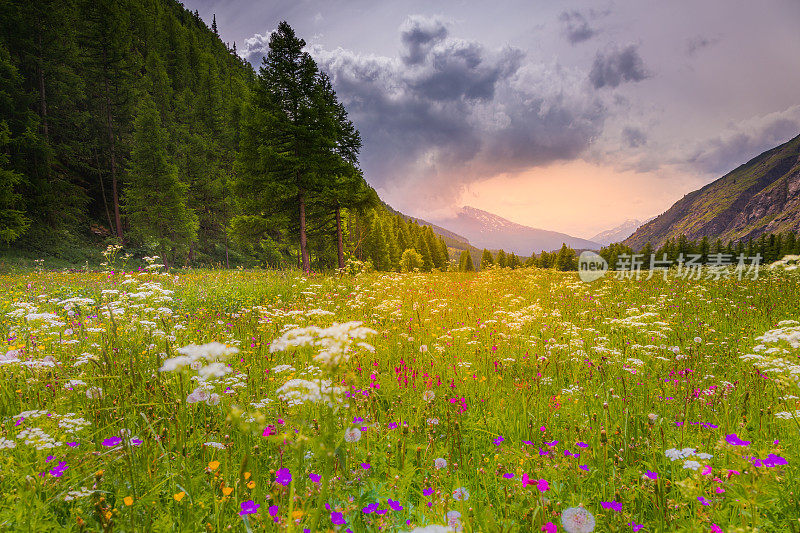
[300, 391]
[335, 342]
[213, 351]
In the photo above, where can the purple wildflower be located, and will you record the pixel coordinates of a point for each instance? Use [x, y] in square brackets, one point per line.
[395, 505]
[315, 478]
[734, 440]
[59, 470]
[249, 507]
[613, 505]
[283, 476]
[112, 441]
[337, 518]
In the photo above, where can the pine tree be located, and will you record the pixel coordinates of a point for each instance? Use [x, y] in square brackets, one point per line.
[646, 252]
[465, 262]
[445, 254]
[214, 25]
[565, 260]
[155, 200]
[513, 261]
[486, 259]
[284, 147]
[424, 251]
[501, 259]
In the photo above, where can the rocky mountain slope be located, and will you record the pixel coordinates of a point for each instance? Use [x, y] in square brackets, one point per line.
[761, 196]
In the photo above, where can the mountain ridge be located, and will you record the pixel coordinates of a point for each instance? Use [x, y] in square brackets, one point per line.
[759, 196]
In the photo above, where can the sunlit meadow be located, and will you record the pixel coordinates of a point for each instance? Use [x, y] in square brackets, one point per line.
[521, 400]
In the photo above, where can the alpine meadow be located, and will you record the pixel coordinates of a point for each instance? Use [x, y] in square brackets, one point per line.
[241, 287]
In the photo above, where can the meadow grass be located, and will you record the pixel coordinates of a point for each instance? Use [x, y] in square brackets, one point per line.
[479, 402]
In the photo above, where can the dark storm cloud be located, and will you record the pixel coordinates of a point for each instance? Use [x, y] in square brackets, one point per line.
[450, 111]
[575, 27]
[634, 137]
[418, 34]
[617, 66]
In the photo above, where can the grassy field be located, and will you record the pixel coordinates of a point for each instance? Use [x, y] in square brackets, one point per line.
[519, 400]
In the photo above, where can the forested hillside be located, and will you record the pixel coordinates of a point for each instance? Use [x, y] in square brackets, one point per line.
[76, 75]
[131, 122]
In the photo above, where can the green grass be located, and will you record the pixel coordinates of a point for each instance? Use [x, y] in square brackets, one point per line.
[530, 356]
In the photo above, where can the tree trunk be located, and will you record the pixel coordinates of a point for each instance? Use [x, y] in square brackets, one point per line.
[42, 94]
[359, 251]
[112, 149]
[103, 190]
[303, 244]
[339, 244]
[227, 261]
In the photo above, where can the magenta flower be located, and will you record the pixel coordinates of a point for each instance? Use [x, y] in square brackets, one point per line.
[612, 505]
[269, 430]
[273, 512]
[392, 425]
[249, 507]
[283, 476]
[703, 500]
[498, 441]
[366, 466]
[734, 440]
[112, 441]
[542, 485]
[716, 529]
[315, 478]
[549, 528]
[651, 475]
[527, 480]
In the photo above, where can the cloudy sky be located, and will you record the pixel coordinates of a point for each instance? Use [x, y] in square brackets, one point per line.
[565, 115]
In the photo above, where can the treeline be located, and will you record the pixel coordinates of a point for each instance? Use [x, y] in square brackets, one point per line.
[564, 259]
[770, 247]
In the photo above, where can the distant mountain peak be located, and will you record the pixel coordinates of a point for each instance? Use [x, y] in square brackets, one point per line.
[488, 230]
[619, 233]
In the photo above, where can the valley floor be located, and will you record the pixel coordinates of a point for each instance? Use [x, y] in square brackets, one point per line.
[507, 400]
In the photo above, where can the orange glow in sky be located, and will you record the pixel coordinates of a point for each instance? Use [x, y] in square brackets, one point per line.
[577, 197]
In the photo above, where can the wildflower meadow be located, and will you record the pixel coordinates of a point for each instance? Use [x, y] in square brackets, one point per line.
[501, 401]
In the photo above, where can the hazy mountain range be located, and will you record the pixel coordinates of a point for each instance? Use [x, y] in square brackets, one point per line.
[487, 230]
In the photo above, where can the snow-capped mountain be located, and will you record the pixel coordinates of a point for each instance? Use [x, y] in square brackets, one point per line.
[619, 233]
[487, 230]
